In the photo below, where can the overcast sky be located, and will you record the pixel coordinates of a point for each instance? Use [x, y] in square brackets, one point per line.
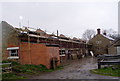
[70, 18]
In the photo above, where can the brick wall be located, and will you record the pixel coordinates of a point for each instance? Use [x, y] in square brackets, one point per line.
[33, 53]
[9, 37]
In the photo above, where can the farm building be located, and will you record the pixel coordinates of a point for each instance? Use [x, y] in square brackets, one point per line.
[100, 43]
[114, 48]
[118, 46]
[34, 46]
[27, 52]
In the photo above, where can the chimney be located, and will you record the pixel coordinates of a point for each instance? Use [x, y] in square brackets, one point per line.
[104, 33]
[57, 32]
[98, 31]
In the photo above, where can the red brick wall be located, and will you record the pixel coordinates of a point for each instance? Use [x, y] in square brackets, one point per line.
[53, 52]
[32, 53]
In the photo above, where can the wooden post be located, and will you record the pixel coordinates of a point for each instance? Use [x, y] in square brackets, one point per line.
[99, 65]
[53, 63]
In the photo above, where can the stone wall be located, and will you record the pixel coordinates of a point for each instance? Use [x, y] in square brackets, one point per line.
[112, 50]
[99, 44]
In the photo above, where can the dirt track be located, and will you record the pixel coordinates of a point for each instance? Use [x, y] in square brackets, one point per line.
[77, 69]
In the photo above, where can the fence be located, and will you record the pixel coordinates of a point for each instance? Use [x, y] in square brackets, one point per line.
[108, 60]
[6, 67]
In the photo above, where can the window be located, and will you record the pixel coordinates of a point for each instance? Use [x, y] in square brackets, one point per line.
[98, 48]
[118, 49]
[62, 52]
[13, 52]
[98, 42]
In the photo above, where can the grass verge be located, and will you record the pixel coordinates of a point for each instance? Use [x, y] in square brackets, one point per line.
[108, 71]
[22, 71]
[12, 76]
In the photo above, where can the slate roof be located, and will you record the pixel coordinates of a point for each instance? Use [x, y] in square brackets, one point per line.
[108, 37]
[115, 43]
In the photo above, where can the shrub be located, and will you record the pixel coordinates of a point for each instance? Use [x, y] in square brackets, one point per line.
[9, 61]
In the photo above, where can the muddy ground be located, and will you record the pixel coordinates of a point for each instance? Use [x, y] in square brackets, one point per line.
[75, 69]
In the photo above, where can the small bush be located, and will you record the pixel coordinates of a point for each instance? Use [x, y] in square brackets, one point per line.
[15, 63]
[9, 61]
[5, 61]
[42, 67]
[27, 68]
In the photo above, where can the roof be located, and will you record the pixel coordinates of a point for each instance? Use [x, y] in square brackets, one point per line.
[61, 35]
[118, 42]
[40, 31]
[31, 29]
[115, 43]
[74, 38]
[108, 37]
[32, 35]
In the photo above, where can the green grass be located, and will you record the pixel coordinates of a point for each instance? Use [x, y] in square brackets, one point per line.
[18, 70]
[12, 76]
[108, 71]
[57, 68]
[29, 69]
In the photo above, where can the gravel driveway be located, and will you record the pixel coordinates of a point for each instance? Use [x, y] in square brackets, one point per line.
[77, 69]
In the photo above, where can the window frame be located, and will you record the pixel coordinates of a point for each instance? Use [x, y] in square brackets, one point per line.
[98, 42]
[14, 55]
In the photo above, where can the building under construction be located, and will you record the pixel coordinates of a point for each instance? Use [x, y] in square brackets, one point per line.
[68, 48]
[34, 46]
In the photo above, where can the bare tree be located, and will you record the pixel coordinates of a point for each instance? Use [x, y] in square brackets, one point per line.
[111, 33]
[88, 34]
